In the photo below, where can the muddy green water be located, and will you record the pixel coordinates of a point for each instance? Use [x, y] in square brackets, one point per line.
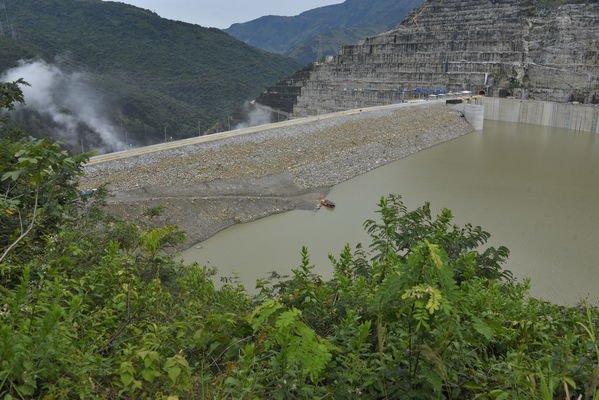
[536, 189]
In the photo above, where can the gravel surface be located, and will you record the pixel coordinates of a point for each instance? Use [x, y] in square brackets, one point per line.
[209, 186]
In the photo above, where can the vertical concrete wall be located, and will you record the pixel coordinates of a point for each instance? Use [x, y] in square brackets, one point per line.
[475, 115]
[577, 117]
[473, 110]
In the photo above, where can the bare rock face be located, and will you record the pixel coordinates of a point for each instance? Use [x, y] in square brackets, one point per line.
[284, 94]
[497, 47]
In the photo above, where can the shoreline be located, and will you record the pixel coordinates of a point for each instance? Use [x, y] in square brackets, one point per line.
[210, 186]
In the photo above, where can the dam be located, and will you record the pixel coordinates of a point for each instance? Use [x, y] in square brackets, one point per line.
[496, 177]
[533, 188]
[535, 63]
[576, 117]
[211, 183]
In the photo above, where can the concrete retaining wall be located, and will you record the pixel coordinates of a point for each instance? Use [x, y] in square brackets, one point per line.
[576, 117]
[474, 114]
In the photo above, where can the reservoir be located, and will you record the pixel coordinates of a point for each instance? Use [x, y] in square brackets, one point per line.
[534, 188]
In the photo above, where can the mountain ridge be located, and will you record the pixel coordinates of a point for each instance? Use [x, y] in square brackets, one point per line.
[288, 35]
[199, 74]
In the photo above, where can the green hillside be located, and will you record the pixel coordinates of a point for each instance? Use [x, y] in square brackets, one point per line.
[322, 30]
[156, 72]
[330, 42]
[11, 51]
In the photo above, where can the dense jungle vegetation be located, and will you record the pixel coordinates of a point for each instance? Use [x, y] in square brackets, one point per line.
[151, 72]
[96, 307]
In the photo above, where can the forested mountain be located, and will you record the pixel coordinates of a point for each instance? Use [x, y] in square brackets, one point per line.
[150, 72]
[323, 30]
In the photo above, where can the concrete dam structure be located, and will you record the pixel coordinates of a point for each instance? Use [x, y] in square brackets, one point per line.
[575, 117]
[502, 48]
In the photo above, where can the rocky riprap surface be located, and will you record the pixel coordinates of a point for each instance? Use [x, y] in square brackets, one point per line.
[209, 186]
[520, 48]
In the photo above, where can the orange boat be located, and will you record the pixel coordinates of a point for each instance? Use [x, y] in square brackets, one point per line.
[327, 203]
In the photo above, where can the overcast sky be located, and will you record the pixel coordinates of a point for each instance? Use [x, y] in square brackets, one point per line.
[223, 13]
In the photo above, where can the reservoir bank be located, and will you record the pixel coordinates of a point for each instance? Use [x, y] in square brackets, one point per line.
[534, 188]
[207, 184]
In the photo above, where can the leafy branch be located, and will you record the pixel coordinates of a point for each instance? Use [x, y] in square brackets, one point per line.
[26, 232]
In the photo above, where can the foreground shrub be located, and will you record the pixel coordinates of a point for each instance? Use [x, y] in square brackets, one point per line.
[95, 307]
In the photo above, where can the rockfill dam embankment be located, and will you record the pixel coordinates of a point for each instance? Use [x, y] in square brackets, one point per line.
[209, 186]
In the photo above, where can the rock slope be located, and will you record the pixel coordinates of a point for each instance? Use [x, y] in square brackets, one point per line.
[499, 47]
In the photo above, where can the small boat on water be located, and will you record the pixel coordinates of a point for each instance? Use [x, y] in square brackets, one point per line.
[327, 203]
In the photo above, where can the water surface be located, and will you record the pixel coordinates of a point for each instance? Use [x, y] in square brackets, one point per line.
[536, 189]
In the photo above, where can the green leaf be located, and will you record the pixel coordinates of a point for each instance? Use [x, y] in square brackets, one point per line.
[263, 312]
[173, 373]
[14, 175]
[570, 382]
[29, 160]
[483, 328]
[288, 318]
[434, 379]
[435, 253]
[149, 374]
[26, 390]
[126, 378]
[503, 396]
[173, 365]
[126, 372]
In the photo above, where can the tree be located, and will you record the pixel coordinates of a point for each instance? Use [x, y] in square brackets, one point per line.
[11, 93]
[93, 307]
[37, 184]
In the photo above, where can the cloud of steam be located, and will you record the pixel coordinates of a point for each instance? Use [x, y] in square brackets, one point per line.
[73, 107]
[255, 114]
